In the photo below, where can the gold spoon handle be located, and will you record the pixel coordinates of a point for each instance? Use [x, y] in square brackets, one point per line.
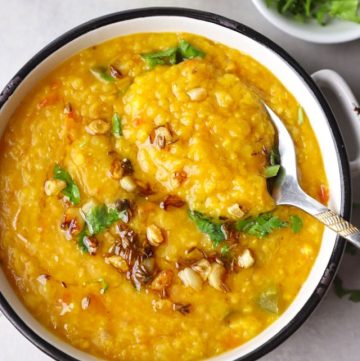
[339, 225]
[290, 193]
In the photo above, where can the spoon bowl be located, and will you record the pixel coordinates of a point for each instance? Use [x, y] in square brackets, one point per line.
[287, 191]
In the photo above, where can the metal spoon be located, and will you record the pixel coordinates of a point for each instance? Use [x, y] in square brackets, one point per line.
[286, 188]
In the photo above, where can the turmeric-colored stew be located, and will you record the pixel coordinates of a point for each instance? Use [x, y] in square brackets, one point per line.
[135, 217]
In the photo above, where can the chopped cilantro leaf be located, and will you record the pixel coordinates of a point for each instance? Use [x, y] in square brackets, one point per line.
[260, 226]
[101, 217]
[152, 62]
[207, 225]
[160, 54]
[187, 51]
[264, 224]
[172, 55]
[321, 10]
[346, 10]
[168, 56]
[225, 249]
[71, 190]
[296, 223]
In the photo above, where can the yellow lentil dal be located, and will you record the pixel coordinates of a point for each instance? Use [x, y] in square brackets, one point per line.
[193, 130]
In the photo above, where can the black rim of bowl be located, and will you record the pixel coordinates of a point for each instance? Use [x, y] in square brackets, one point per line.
[334, 261]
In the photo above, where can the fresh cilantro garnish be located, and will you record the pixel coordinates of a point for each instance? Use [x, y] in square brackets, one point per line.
[260, 226]
[188, 51]
[300, 115]
[225, 249]
[345, 10]
[207, 225]
[269, 300]
[296, 223]
[264, 224]
[116, 125]
[172, 55]
[101, 217]
[152, 62]
[101, 73]
[71, 190]
[321, 10]
[168, 56]
[354, 294]
[104, 285]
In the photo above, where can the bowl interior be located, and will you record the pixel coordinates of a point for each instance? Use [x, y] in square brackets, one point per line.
[335, 32]
[270, 59]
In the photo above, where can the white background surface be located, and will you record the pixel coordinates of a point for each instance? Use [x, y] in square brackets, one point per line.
[333, 331]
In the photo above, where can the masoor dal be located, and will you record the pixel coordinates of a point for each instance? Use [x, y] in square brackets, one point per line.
[135, 218]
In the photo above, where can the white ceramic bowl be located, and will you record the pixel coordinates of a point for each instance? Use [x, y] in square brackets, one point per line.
[337, 31]
[294, 78]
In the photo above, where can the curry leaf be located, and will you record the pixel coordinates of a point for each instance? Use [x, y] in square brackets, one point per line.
[71, 190]
[207, 225]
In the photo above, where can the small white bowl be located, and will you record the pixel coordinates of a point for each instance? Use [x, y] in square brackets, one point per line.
[336, 31]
